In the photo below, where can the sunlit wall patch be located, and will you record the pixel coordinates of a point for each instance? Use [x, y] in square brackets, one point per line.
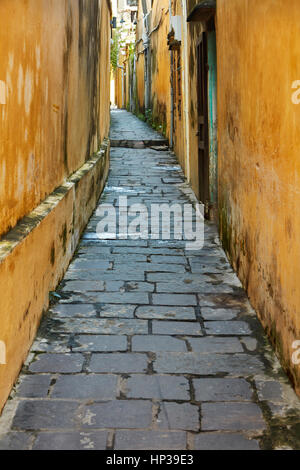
[2, 92]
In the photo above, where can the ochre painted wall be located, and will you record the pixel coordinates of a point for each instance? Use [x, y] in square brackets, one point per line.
[54, 116]
[54, 70]
[258, 44]
[160, 66]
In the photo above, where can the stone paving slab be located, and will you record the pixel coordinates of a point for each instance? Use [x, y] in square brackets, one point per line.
[229, 441]
[71, 441]
[150, 346]
[164, 387]
[150, 440]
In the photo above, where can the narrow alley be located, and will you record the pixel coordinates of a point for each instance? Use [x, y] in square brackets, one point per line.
[148, 345]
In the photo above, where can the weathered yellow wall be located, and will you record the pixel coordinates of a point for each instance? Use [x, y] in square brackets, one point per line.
[160, 66]
[54, 60]
[258, 60]
[49, 60]
[140, 62]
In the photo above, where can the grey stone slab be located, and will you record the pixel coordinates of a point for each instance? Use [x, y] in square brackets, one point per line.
[100, 343]
[227, 328]
[96, 275]
[89, 265]
[173, 416]
[222, 390]
[152, 267]
[34, 386]
[228, 441]
[117, 311]
[153, 343]
[149, 251]
[209, 345]
[71, 441]
[150, 440]
[232, 417]
[63, 363]
[75, 311]
[138, 298]
[168, 259]
[219, 314]
[119, 414]
[166, 313]
[84, 286]
[174, 299]
[98, 387]
[118, 363]
[187, 286]
[250, 343]
[139, 286]
[224, 301]
[99, 244]
[207, 364]
[15, 441]
[59, 345]
[161, 387]
[176, 328]
[270, 391]
[45, 414]
[103, 326]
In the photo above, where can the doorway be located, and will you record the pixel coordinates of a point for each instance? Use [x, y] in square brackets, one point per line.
[203, 138]
[207, 121]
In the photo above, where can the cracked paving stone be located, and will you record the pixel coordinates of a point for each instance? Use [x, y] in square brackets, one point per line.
[100, 343]
[232, 417]
[162, 387]
[216, 345]
[71, 441]
[227, 328]
[206, 364]
[157, 343]
[118, 363]
[176, 328]
[118, 414]
[63, 363]
[38, 415]
[222, 390]
[178, 417]
[101, 326]
[98, 387]
[150, 440]
[34, 386]
[216, 441]
[166, 313]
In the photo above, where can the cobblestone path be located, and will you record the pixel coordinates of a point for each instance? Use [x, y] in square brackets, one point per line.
[150, 345]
